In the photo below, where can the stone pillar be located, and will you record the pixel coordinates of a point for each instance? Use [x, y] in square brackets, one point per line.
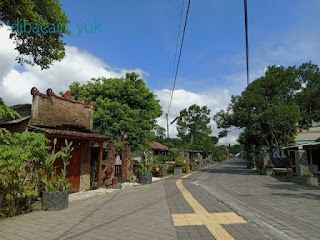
[100, 164]
[85, 167]
[182, 155]
[111, 159]
[265, 157]
[199, 158]
[127, 162]
[301, 158]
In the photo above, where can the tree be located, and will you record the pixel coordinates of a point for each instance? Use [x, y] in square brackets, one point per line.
[308, 98]
[236, 149]
[6, 112]
[43, 23]
[123, 106]
[160, 131]
[267, 109]
[192, 124]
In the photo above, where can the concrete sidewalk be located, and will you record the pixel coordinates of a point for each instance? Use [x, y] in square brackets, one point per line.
[285, 210]
[139, 212]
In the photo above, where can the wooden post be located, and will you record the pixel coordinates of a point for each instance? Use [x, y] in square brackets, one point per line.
[100, 164]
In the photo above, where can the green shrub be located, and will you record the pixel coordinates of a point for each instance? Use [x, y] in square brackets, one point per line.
[21, 158]
[308, 175]
[185, 166]
[170, 168]
[290, 175]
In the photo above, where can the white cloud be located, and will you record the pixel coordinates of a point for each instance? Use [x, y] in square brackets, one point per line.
[183, 99]
[78, 66]
[15, 85]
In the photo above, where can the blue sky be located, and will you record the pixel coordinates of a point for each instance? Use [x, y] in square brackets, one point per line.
[141, 35]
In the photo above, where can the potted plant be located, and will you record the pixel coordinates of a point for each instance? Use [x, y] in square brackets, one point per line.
[269, 168]
[311, 180]
[55, 195]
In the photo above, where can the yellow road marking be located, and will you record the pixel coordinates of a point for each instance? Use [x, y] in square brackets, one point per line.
[212, 221]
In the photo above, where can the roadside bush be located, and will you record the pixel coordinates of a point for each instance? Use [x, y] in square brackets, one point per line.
[170, 168]
[21, 157]
[308, 175]
[185, 166]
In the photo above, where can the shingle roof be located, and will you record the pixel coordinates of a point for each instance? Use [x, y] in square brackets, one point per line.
[156, 145]
[70, 134]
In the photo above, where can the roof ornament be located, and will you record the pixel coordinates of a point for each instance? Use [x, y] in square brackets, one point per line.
[34, 91]
[50, 92]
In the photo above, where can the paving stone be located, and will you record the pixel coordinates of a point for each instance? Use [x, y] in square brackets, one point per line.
[287, 206]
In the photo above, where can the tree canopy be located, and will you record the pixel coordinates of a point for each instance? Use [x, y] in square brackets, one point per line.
[271, 106]
[43, 45]
[193, 125]
[123, 106]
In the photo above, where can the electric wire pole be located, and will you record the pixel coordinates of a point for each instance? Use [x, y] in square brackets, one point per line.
[168, 137]
[247, 41]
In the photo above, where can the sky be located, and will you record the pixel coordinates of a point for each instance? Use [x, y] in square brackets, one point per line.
[141, 36]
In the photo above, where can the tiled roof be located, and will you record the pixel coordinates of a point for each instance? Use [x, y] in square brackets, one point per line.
[70, 134]
[156, 145]
[15, 120]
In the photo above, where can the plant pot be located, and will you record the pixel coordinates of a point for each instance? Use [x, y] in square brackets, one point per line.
[145, 178]
[177, 170]
[54, 201]
[115, 181]
[269, 171]
[313, 181]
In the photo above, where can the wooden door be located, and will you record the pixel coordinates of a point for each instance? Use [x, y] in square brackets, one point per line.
[73, 171]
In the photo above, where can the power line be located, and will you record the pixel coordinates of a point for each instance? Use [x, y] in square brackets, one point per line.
[177, 69]
[247, 43]
[177, 43]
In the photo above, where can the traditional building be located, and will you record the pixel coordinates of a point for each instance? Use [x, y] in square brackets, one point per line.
[63, 118]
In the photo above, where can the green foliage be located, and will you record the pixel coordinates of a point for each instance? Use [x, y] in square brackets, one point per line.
[267, 109]
[146, 163]
[160, 131]
[220, 153]
[40, 48]
[170, 168]
[174, 142]
[6, 112]
[309, 175]
[52, 181]
[122, 106]
[193, 123]
[94, 176]
[271, 106]
[290, 175]
[21, 156]
[308, 98]
[185, 166]
[174, 155]
[236, 149]
[160, 160]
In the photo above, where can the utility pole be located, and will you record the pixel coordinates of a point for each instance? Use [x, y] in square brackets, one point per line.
[247, 41]
[168, 137]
